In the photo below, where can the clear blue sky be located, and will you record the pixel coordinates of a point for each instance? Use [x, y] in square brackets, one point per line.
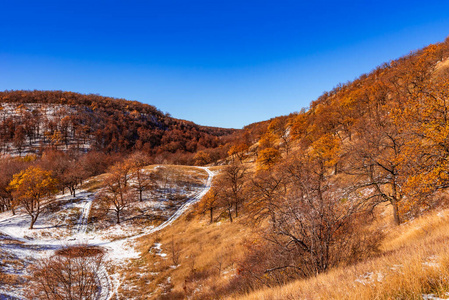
[218, 63]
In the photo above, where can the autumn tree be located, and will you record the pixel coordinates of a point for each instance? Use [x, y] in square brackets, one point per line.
[202, 158]
[267, 158]
[280, 127]
[268, 140]
[9, 166]
[32, 189]
[426, 150]
[239, 151]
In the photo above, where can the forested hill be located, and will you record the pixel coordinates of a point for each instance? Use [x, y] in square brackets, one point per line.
[386, 133]
[332, 181]
[30, 120]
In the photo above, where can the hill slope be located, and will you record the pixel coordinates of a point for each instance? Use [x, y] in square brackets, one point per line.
[352, 190]
[30, 120]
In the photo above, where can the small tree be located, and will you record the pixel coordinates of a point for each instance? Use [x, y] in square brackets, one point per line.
[73, 178]
[31, 187]
[267, 158]
[163, 177]
[19, 139]
[232, 181]
[142, 181]
[210, 202]
[202, 158]
[116, 191]
[239, 151]
[175, 251]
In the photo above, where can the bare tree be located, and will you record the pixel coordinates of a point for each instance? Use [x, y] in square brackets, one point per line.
[233, 183]
[314, 225]
[141, 179]
[211, 201]
[71, 274]
[267, 189]
[116, 192]
[163, 177]
[175, 251]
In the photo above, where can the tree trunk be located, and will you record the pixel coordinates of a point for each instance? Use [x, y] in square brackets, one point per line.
[140, 195]
[118, 216]
[211, 216]
[33, 220]
[236, 209]
[397, 219]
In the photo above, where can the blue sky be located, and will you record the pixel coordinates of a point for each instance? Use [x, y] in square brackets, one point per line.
[218, 63]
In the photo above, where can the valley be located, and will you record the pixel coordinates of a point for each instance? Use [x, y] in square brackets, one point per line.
[105, 198]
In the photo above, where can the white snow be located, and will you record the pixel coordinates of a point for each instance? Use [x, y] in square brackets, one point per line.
[51, 233]
[433, 297]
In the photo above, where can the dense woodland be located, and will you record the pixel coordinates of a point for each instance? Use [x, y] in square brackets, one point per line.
[32, 121]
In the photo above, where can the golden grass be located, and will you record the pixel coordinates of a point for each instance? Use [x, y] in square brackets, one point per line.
[441, 67]
[207, 258]
[415, 261]
[207, 253]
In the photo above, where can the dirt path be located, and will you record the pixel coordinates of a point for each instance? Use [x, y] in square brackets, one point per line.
[116, 248]
[117, 251]
[84, 217]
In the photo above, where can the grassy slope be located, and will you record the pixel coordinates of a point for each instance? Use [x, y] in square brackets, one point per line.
[414, 261]
[207, 255]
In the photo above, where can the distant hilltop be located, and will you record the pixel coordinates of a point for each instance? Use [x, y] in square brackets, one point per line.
[31, 121]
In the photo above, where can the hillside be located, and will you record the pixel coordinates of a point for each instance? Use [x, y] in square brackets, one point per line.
[338, 181]
[32, 121]
[83, 221]
[344, 200]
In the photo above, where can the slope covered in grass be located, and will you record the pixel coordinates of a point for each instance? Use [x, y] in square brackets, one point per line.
[414, 263]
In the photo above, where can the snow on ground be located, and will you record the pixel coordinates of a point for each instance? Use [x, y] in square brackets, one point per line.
[433, 297]
[67, 225]
[51, 228]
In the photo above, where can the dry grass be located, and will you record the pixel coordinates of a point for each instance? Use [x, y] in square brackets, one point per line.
[415, 261]
[192, 259]
[206, 255]
[188, 258]
[441, 67]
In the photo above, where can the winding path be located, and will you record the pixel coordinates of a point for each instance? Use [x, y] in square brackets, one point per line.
[113, 248]
[116, 246]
